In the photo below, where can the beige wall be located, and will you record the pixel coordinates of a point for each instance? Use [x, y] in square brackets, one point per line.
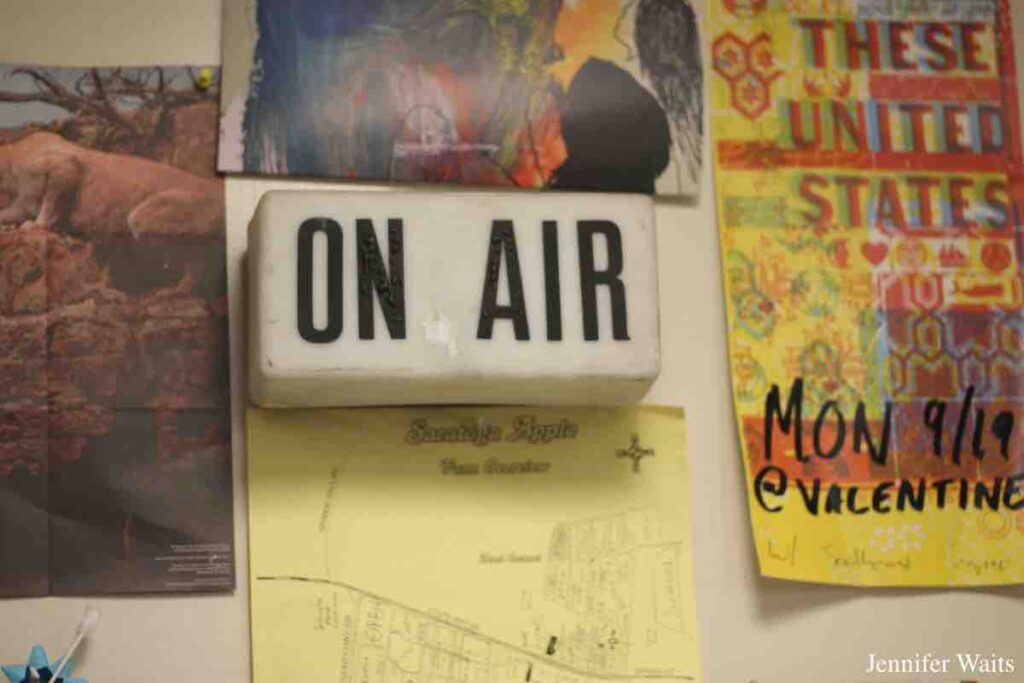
[751, 629]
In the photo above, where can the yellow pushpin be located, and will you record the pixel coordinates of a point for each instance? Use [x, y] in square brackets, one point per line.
[204, 81]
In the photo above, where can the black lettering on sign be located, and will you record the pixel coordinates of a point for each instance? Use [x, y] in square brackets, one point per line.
[503, 241]
[840, 435]
[961, 424]
[388, 283]
[862, 434]
[304, 290]
[1002, 428]
[591, 278]
[792, 419]
[934, 419]
[552, 281]
[772, 480]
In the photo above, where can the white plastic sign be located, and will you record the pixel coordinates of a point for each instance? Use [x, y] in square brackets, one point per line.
[377, 298]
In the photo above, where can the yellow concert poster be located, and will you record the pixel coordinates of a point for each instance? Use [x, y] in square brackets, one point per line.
[868, 160]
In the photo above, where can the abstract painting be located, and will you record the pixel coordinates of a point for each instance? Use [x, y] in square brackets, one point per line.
[561, 94]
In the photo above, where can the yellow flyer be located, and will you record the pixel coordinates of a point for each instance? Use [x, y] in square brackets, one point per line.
[868, 165]
[488, 545]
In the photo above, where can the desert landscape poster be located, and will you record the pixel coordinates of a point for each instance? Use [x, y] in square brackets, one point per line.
[115, 453]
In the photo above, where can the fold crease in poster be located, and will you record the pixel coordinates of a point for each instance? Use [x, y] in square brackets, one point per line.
[868, 163]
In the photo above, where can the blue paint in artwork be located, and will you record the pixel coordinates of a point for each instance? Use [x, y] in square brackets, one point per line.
[333, 19]
[297, 53]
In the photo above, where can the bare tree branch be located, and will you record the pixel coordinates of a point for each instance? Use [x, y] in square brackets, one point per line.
[133, 107]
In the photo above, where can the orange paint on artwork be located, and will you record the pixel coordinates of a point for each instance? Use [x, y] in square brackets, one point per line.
[586, 28]
[463, 95]
[539, 160]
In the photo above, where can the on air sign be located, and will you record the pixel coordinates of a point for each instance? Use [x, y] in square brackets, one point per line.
[389, 298]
